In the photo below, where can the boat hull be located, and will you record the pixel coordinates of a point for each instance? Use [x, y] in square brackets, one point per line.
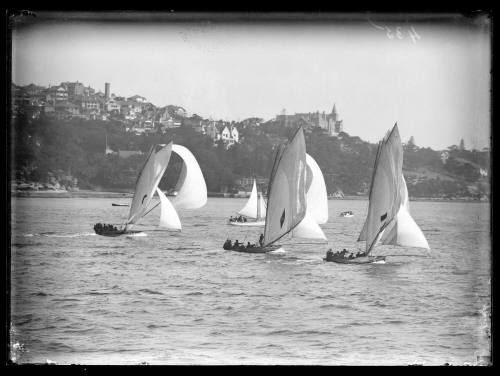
[116, 233]
[113, 204]
[257, 249]
[248, 224]
[357, 260]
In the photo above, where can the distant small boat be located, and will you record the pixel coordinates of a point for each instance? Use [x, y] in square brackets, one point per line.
[113, 204]
[255, 209]
[347, 214]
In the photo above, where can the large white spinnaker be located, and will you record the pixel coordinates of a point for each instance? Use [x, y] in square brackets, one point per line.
[404, 231]
[169, 219]
[317, 198]
[317, 204]
[308, 228]
[147, 181]
[287, 203]
[191, 187]
[250, 208]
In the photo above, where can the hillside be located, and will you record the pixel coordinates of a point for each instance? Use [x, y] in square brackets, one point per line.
[70, 153]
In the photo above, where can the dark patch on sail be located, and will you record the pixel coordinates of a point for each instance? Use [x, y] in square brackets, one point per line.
[282, 219]
[143, 199]
[383, 217]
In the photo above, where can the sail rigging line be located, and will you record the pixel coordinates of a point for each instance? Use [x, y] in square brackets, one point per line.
[377, 238]
[157, 204]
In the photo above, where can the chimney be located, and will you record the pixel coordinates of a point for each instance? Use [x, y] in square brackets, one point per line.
[106, 90]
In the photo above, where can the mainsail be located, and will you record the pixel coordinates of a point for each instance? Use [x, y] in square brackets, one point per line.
[191, 187]
[317, 204]
[261, 208]
[255, 206]
[147, 181]
[286, 205]
[388, 220]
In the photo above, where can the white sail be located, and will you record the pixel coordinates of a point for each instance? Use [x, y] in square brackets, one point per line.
[287, 202]
[308, 228]
[262, 207]
[317, 199]
[250, 208]
[147, 181]
[169, 219]
[191, 187]
[388, 220]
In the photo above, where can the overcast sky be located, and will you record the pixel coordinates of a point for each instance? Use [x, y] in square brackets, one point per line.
[436, 85]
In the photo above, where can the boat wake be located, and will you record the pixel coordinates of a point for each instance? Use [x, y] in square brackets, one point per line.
[62, 235]
[135, 235]
[279, 251]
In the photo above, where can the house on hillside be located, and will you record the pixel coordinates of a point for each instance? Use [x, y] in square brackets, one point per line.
[137, 98]
[74, 89]
[66, 108]
[57, 94]
[229, 136]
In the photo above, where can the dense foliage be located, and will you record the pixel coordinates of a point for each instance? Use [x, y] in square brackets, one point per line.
[46, 147]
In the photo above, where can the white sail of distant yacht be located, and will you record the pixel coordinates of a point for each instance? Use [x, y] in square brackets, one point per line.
[255, 208]
[317, 204]
[287, 201]
[388, 220]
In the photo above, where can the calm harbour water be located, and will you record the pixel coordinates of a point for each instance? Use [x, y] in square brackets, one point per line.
[179, 298]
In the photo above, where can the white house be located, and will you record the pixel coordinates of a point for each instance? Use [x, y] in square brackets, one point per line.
[229, 136]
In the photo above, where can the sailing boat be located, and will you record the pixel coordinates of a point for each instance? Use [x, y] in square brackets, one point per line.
[191, 187]
[388, 220]
[255, 208]
[287, 202]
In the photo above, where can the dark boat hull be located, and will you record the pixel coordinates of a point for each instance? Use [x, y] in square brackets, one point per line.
[119, 204]
[116, 233]
[257, 249]
[357, 260]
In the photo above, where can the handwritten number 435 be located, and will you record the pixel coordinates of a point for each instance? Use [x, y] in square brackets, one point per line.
[397, 32]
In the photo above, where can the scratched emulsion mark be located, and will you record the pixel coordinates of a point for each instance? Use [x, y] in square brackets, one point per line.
[398, 32]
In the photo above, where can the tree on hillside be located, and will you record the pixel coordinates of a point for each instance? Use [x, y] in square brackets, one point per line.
[410, 145]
